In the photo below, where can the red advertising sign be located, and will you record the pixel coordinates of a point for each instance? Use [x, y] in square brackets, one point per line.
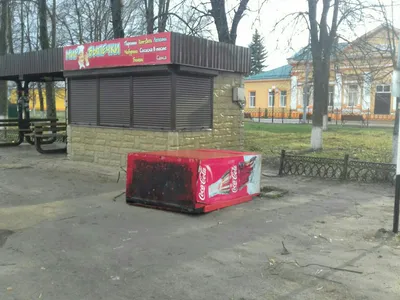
[228, 178]
[152, 49]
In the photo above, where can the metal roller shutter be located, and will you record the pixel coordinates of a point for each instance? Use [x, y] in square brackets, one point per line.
[83, 101]
[193, 102]
[152, 102]
[115, 101]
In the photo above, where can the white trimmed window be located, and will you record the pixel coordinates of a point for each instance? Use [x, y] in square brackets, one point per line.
[283, 99]
[252, 97]
[353, 95]
[383, 88]
[331, 93]
[271, 99]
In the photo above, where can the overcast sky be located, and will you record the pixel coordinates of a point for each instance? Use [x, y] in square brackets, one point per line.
[282, 42]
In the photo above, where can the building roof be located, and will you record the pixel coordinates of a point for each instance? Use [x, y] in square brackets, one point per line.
[277, 73]
[305, 53]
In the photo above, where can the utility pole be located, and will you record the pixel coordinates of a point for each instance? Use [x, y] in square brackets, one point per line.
[396, 93]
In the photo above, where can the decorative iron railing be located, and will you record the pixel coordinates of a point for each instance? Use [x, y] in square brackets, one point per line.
[335, 115]
[331, 168]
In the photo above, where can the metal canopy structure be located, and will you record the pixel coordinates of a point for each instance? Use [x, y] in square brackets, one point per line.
[39, 66]
[48, 65]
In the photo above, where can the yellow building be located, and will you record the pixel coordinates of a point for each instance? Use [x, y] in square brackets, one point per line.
[34, 103]
[269, 92]
[360, 81]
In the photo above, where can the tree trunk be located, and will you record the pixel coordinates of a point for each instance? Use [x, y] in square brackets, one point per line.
[51, 105]
[116, 12]
[325, 98]
[321, 49]
[317, 116]
[163, 9]
[395, 133]
[44, 43]
[22, 27]
[3, 51]
[79, 19]
[219, 14]
[10, 21]
[53, 25]
[325, 122]
[41, 100]
[321, 95]
[149, 8]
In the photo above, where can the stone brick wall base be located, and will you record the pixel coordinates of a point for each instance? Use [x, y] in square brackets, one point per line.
[109, 146]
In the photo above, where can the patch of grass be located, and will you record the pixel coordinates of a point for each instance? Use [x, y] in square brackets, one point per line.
[272, 192]
[369, 144]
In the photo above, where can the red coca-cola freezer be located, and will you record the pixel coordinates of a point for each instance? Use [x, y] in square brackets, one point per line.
[194, 181]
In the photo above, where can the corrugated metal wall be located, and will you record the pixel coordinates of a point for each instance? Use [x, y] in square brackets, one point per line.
[39, 62]
[115, 101]
[152, 101]
[83, 95]
[193, 51]
[193, 102]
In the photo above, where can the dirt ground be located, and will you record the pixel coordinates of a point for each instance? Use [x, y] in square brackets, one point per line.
[63, 237]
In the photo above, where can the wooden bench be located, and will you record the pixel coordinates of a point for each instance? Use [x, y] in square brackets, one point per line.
[247, 115]
[7, 125]
[27, 129]
[357, 118]
[308, 116]
[44, 133]
[23, 129]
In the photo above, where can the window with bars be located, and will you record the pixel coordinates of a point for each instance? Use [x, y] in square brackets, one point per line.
[283, 99]
[252, 100]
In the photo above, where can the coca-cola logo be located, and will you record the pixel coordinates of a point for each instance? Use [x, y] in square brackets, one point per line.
[203, 181]
[234, 176]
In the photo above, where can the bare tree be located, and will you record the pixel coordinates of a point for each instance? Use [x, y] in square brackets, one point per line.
[116, 12]
[82, 21]
[10, 21]
[323, 19]
[45, 44]
[227, 33]
[323, 36]
[192, 21]
[3, 51]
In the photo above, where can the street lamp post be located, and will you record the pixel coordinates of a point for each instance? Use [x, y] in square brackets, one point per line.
[272, 91]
